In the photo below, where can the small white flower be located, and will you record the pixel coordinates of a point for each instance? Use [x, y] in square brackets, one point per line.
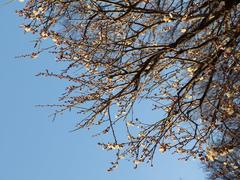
[183, 30]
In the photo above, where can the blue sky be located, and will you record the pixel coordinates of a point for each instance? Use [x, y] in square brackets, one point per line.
[35, 148]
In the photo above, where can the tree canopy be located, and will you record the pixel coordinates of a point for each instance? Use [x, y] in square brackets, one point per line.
[182, 56]
[224, 153]
[225, 165]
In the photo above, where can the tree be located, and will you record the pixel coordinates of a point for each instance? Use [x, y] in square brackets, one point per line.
[224, 155]
[225, 165]
[176, 54]
[223, 152]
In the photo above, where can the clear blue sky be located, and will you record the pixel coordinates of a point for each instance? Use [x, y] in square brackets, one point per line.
[35, 148]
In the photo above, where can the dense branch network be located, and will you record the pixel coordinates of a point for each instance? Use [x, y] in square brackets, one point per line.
[180, 55]
[224, 154]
